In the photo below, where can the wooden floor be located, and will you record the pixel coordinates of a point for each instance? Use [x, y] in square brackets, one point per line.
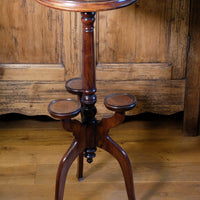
[166, 165]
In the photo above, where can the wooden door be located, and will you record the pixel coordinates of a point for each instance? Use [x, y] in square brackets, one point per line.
[31, 69]
[140, 49]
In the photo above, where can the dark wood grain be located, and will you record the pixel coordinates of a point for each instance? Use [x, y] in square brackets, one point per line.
[90, 134]
[64, 108]
[88, 70]
[88, 98]
[114, 149]
[192, 94]
[86, 5]
[74, 86]
[64, 166]
[80, 167]
[120, 102]
[87, 138]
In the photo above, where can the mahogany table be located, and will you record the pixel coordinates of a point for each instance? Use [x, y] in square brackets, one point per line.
[90, 133]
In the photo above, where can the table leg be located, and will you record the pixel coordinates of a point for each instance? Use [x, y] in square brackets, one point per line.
[80, 167]
[116, 151]
[65, 163]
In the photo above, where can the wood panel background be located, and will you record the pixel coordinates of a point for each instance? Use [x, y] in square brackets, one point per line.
[140, 49]
[192, 95]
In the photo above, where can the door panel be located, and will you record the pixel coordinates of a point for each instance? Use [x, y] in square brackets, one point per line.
[146, 32]
[131, 71]
[31, 72]
[29, 97]
[138, 33]
[29, 88]
[29, 33]
[142, 45]
[155, 96]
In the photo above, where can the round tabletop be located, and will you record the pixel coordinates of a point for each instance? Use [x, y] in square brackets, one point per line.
[86, 5]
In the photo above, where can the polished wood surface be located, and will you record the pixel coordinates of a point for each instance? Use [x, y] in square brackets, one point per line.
[32, 98]
[64, 108]
[64, 166]
[86, 5]
[165, 164]
[87, 137]
[90, 133]
[114, 149]
[74, 86]
[120, 102]
[88, 68]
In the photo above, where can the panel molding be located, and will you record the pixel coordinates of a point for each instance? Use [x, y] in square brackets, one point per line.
[32, 72]
[32, 98]
[155, 96]
[134, 71]
[158, 33]
[29, 97]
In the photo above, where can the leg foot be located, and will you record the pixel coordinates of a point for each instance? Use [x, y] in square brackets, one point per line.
[114, 149]
[63, 169]
[80, 167]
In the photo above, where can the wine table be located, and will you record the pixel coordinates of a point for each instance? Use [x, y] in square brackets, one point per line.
[90, 133]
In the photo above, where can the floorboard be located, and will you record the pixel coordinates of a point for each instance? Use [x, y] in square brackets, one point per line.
[166, 165]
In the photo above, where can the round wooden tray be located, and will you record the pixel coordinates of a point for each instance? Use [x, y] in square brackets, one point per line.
[86, 5]
[120, 102]
[74, 86]
[64, 108]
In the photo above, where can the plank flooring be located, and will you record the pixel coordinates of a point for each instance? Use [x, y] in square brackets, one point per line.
[166, 165]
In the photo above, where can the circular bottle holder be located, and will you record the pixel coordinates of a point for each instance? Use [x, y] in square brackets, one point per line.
[74, 86]
[64, 108]
[120, 102]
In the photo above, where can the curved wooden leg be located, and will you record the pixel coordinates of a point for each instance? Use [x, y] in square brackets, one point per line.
[114, 149]
[63, 168]
[80, 167]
